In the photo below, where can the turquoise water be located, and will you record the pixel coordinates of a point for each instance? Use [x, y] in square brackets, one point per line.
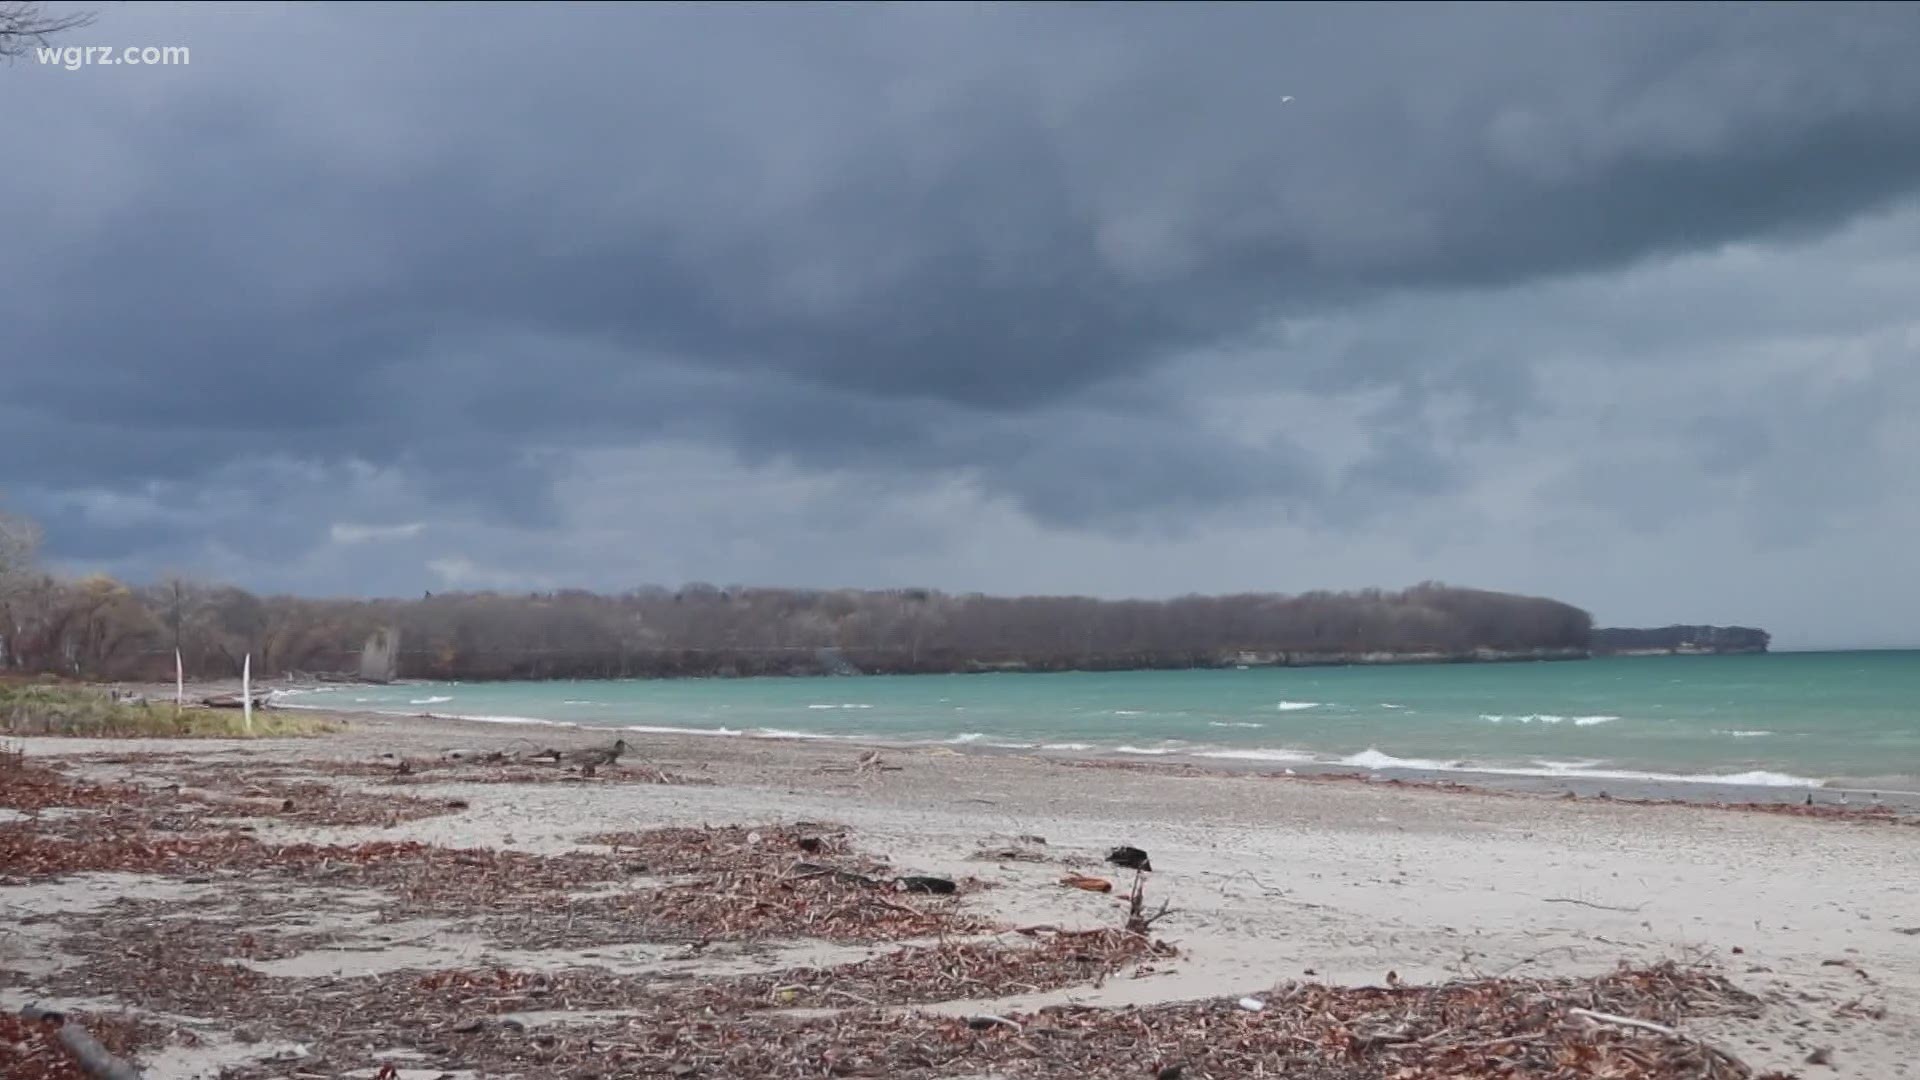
[1784, 718]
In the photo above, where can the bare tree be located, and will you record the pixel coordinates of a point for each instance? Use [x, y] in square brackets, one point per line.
[24, 26]
[19, 539]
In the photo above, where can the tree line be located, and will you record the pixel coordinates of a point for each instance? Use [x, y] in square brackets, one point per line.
[100, 628]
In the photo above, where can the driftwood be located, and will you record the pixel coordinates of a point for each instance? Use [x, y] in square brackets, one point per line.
[236, 701]
[921, 883]
[94, 1059]
[1626, 1021]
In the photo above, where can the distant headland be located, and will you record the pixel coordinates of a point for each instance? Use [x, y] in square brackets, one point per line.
[1679, 640]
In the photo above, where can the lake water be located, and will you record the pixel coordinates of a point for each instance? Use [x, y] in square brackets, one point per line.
[1785, 719]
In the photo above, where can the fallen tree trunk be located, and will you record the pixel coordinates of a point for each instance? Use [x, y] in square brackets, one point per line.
[94, 1059]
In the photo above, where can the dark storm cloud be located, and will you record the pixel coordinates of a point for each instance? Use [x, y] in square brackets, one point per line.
[953, 238]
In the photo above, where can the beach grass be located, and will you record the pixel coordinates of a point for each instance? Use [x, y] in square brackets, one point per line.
[86, 712]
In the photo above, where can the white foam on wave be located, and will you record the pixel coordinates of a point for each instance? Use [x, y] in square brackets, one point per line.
[782, 733]
[578, 701]
[1391, 705]
[1257, 755]
[1067, 746]
[430, 701]
[484, 718]
[1741, 734]
[846, 705]
[1295, 706]
[967, 737]
[1376, 760]
[662, 729]
[1150, 751]
[1128, 712]
[1547, 718]
[1234, 723]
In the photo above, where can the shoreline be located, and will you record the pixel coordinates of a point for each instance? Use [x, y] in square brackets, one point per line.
[1900, 794]
[1340, 883]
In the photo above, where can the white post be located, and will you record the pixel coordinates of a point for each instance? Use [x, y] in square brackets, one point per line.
[179, 682]
[246, 691]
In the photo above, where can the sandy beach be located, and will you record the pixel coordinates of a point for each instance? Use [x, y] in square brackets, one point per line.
[1269, 880]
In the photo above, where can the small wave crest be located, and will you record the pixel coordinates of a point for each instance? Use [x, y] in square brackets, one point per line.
[1735, 734]
[1547, 718]
[1234, 723]
[1296, 706]
[847, 705]
[430, 701]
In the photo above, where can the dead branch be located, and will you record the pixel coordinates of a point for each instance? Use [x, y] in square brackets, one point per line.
[1138, 921]
[1588, 903]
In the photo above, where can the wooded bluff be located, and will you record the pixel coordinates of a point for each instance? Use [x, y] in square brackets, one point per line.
[99, 628]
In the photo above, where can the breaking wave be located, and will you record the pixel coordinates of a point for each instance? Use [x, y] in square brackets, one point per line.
[1376, 760]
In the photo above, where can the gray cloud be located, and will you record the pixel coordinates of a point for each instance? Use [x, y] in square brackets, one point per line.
[1091, 273]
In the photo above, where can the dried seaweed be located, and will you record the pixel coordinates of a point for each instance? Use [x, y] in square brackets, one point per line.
[953, 971]
[1490, 1028]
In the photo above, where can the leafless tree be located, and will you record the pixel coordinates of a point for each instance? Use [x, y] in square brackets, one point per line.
[24, 26]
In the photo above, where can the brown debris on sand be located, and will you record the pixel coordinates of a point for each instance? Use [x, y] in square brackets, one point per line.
[1489, 1028]
[224, 956]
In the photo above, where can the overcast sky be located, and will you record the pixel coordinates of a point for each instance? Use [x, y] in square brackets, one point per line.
[1617, 305]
